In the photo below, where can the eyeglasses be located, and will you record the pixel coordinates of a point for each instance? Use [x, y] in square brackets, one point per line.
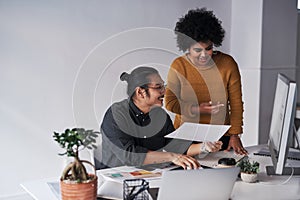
[160, 87]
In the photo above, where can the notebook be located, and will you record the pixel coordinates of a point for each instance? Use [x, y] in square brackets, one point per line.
[215, 184]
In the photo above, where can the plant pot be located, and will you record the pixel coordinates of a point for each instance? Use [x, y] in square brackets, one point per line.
[249, 178]
[71, 190]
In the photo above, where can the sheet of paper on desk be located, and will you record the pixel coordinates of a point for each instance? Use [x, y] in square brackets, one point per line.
[119, 174]
[199, 132]
[55, 188]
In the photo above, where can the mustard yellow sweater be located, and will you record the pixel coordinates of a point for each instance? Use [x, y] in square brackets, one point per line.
[220, 81]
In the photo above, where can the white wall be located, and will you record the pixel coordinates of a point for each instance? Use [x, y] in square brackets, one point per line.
[246, 31]
[263, 41]
[298, 57]
[59, 67]
[279, 50]
[60, 61]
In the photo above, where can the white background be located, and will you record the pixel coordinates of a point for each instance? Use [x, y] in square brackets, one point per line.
[60, 61]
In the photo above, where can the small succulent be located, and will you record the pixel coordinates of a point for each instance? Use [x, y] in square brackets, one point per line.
[248, 167]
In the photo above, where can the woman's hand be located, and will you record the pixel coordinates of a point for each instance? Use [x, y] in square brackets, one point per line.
[207, 108]
[186, 162]
[236, 144]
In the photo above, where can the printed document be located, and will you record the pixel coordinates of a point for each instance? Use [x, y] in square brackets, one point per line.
[199, 132]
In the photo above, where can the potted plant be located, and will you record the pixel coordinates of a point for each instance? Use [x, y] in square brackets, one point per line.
[75, 182]
[249, 170]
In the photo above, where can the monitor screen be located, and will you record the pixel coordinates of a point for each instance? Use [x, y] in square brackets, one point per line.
[282, 122]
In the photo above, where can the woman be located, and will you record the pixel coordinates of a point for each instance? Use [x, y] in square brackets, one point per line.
[204, 86]
[133, 129]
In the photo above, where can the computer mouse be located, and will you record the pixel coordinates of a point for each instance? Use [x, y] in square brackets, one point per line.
[226, 162]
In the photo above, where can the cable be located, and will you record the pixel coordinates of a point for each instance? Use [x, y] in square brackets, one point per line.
[285, 181]
[292, 173]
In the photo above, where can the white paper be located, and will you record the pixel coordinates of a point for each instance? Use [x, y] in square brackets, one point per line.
[199, 132]
[55, 188]
[111, 190]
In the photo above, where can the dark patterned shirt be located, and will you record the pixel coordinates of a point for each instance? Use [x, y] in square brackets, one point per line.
[128, 134]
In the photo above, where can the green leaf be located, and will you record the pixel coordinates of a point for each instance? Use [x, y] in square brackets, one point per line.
[73, 139]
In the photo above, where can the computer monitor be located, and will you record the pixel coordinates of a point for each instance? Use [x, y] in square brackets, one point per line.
[282, 126]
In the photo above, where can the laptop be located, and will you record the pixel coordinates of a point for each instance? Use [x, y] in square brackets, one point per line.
[215, 184]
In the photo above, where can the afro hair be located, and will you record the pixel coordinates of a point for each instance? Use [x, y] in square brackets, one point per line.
[198, 25]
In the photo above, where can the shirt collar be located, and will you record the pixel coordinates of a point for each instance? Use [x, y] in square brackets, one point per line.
[135, 109]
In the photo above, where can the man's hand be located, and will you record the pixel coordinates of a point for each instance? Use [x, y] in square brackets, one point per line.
[211, 146]
[236, 144]
[186, 162]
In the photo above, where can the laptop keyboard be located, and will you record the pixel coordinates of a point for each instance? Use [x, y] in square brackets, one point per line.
[291, 155]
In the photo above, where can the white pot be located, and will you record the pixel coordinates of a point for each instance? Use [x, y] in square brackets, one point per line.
[249, 178]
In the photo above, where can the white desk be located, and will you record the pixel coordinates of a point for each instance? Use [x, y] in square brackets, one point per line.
[39, 189]
[268, 187]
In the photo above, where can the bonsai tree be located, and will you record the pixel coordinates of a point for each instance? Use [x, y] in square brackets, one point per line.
[248, 167]
[73, 141]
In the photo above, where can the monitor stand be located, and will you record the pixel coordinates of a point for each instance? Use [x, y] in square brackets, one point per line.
[296, 137]
[287, 171]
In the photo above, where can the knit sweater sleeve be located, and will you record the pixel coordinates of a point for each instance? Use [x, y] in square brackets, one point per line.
[235, 99]
[175, 80]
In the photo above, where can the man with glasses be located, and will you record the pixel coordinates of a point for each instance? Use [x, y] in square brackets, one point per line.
[133, 129]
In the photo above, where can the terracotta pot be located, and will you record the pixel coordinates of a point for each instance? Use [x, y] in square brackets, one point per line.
[249, 178]
[79, 191]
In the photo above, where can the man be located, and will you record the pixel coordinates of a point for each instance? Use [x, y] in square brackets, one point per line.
[133, 130]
